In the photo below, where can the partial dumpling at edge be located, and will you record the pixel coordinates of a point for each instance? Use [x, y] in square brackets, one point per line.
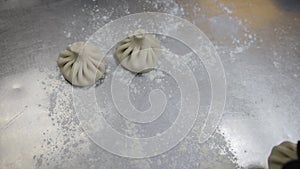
[81, 64]
[138, 52]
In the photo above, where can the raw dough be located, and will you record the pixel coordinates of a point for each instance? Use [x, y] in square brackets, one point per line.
[81, 64]
[138, 52]
[282, 154]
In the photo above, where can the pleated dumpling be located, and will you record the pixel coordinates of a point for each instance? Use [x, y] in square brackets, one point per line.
[81, 64]
[284, 155]
[138, 52]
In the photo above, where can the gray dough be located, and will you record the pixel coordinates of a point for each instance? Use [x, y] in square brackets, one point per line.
[282, 154]
[138, 52]
[81, 64]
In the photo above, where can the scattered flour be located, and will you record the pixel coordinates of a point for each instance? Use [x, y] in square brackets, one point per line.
[99, 16]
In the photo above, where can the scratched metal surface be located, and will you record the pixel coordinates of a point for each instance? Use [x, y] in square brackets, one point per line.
[258, 43]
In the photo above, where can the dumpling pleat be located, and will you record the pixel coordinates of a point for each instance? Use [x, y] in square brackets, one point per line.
[80, 77]
[65, 62]
[92, 66]
[150, 57]
[123, 46]
[127, 51]
[87, 72]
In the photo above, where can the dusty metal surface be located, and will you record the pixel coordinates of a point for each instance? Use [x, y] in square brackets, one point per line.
[258, 43]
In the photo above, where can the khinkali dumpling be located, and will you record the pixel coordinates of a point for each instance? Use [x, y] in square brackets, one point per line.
[81, 64]
[283, 155]
[138, 52]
